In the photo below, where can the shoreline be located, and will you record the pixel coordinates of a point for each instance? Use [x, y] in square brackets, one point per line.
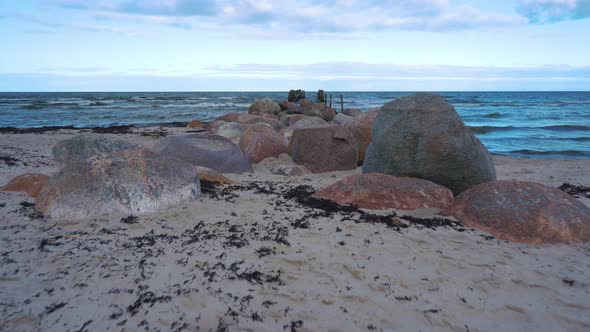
[128, 129]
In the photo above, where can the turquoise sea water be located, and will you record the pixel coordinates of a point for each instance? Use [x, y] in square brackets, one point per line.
[533, 124]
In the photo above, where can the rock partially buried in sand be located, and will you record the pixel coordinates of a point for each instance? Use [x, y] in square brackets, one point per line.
[381, 191]
[281, 165]
[422, 136]
[522, 211]
[207, 174]
[83, 146]
[265, 105]
[324, 148]
[207, 150]
[31, 183]
[130, 182]
[261, 141]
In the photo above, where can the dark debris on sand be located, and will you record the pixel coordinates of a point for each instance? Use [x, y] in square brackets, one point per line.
[575, 191]
[207, 256]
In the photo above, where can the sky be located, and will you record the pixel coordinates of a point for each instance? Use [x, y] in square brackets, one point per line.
[269, 45]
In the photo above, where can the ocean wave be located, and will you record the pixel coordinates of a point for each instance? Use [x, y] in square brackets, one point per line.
[572, 153]
[32, 107]
[567, 127]
[493, 115]
[467, 104]
[488, 129]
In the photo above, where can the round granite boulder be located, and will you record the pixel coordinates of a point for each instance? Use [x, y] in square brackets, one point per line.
[130, 182]
[422, 136]
[80, 147]
[265, 105]
[261, 141]
[324, 148]
[202, 149]
[523, 211]
[380, 191]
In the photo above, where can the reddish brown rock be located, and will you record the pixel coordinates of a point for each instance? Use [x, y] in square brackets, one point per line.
[294, 118]
[230, 117]
[261, 141]
[250, 119]
[380, 191]
[30, 183]
[522, 211]
[195, 124]
[360, 126]
[324, 148]
[287, 105]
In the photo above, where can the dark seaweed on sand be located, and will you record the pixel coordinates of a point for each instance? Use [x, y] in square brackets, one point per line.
[575, 191]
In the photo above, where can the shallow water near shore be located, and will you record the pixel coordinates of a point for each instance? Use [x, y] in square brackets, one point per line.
[532, 124]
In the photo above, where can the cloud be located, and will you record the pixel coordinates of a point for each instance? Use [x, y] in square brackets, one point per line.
[549, 11]
[366, 71]
[320, 16]
[145, 7]
[338, 76]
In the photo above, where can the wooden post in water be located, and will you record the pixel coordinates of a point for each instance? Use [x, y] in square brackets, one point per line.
[330, 100]
[341, 104]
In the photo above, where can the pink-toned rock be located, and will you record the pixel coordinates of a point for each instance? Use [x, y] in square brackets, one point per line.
[214, 126]
[195, 124]
[324, 148]
[380, 191]
[30, 183]
[287, 105]
[294, 118]
[230, 117]
[250, 119]
[523, 211]
[360, 126]
[261, 141]
[303, 122]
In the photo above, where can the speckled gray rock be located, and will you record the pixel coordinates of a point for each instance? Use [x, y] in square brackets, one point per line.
[202, 149]
[342, 119]
[352, 112]
[130, 182]
[229, 130]
[265, 105]
[80, 147]
[422, 136]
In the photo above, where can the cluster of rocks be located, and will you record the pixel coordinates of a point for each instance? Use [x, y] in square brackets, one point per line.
[316, 138]
[416, 153]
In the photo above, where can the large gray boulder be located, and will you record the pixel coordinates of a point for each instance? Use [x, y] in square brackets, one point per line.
[265, 105]
[83, 146]
[422, 136]
[130, 182]
[203, 149]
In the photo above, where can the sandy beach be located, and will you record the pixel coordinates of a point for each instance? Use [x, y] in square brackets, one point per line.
[250, 256]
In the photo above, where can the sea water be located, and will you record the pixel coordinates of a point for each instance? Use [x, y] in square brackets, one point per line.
[533, 124]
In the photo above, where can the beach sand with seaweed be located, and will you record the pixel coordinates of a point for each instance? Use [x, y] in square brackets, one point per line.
[258, 255]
